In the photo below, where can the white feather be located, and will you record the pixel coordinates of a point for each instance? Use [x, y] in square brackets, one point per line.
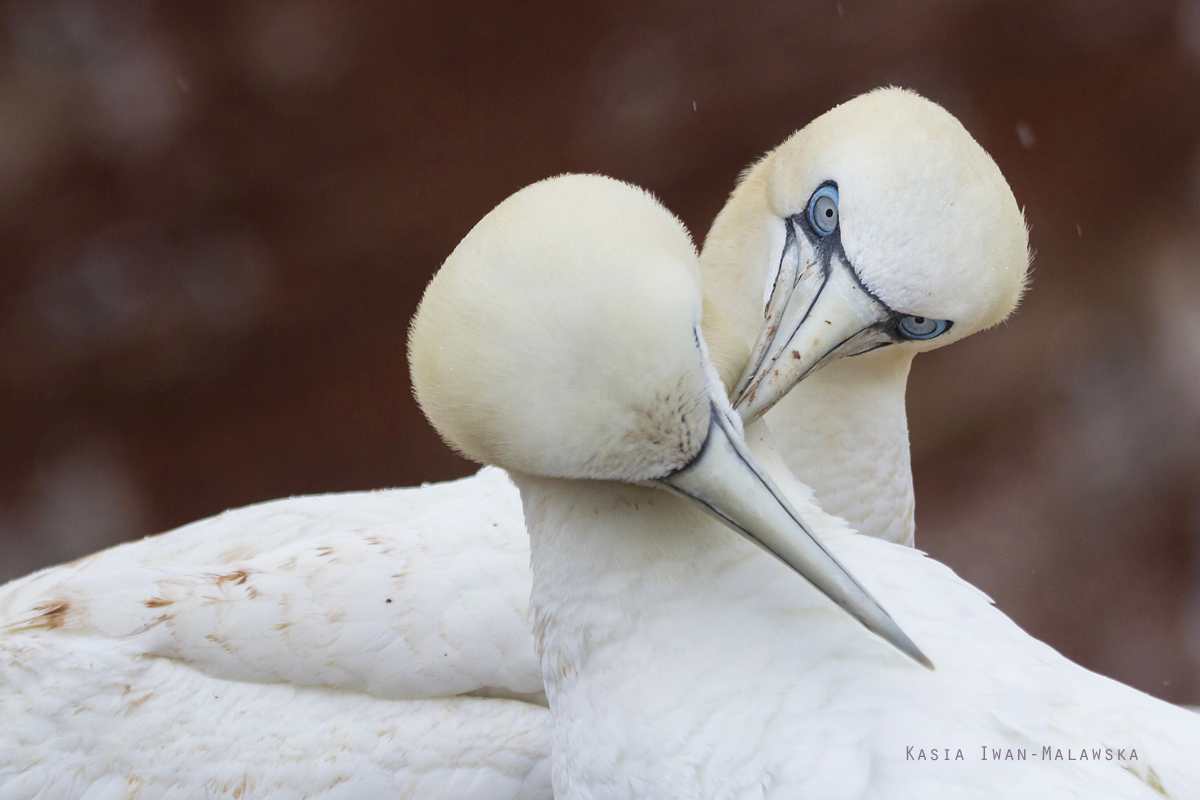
[689, 663]
[255, 654]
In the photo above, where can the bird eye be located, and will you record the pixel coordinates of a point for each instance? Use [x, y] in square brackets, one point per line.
[911, 327]
[823, 210]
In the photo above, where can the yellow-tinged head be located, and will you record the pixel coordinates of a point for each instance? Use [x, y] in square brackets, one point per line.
[560, 336]
[881, 223]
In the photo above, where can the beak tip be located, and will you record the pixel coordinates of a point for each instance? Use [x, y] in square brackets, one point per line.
[891, 633]
[912, 651]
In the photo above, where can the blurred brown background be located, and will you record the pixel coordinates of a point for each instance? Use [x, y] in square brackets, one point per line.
[217, 217]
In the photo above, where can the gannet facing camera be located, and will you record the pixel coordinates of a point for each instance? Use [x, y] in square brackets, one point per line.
[879, 230]
[562, 340]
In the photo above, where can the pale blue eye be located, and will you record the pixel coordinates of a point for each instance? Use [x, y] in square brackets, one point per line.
[911, 327]
[823, 210]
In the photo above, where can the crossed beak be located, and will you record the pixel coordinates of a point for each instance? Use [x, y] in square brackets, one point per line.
[818, 311]
[725, 480]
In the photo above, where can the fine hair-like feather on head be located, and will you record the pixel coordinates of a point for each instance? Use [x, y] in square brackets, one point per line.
[926, 217]
[561, 337]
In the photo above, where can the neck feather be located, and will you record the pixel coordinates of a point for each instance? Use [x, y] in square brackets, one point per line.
[650, 618]
[612, 560]
[844, 432]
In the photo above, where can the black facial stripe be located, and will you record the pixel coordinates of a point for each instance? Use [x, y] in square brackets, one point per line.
[829, 244]
[788, 241]
[826, 246]
[870, 349]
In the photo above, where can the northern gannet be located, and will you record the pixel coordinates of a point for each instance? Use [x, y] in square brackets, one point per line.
[926, 246]
[562, 342]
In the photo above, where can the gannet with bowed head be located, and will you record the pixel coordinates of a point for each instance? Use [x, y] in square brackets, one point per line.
[562, 339]
[880, 230]
[678, 660]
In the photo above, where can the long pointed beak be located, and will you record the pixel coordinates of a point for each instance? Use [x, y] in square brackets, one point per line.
[817, 313]
[728, 483]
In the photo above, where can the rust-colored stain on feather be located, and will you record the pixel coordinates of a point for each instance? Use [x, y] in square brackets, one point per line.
[217, 640]
[145, 698]
[237, 577]
[51, 614]
[157, 602]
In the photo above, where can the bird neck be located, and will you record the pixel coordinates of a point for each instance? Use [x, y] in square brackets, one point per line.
[844, 432]
[650, 616]
[607, 558]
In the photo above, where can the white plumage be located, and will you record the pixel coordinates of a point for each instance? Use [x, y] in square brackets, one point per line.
[320, 687]
[679, 660]
[256, 654]
[715, 673]
[84, 705]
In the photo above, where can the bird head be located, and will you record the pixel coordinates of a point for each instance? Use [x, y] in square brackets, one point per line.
[560, 338]
[880, 224]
